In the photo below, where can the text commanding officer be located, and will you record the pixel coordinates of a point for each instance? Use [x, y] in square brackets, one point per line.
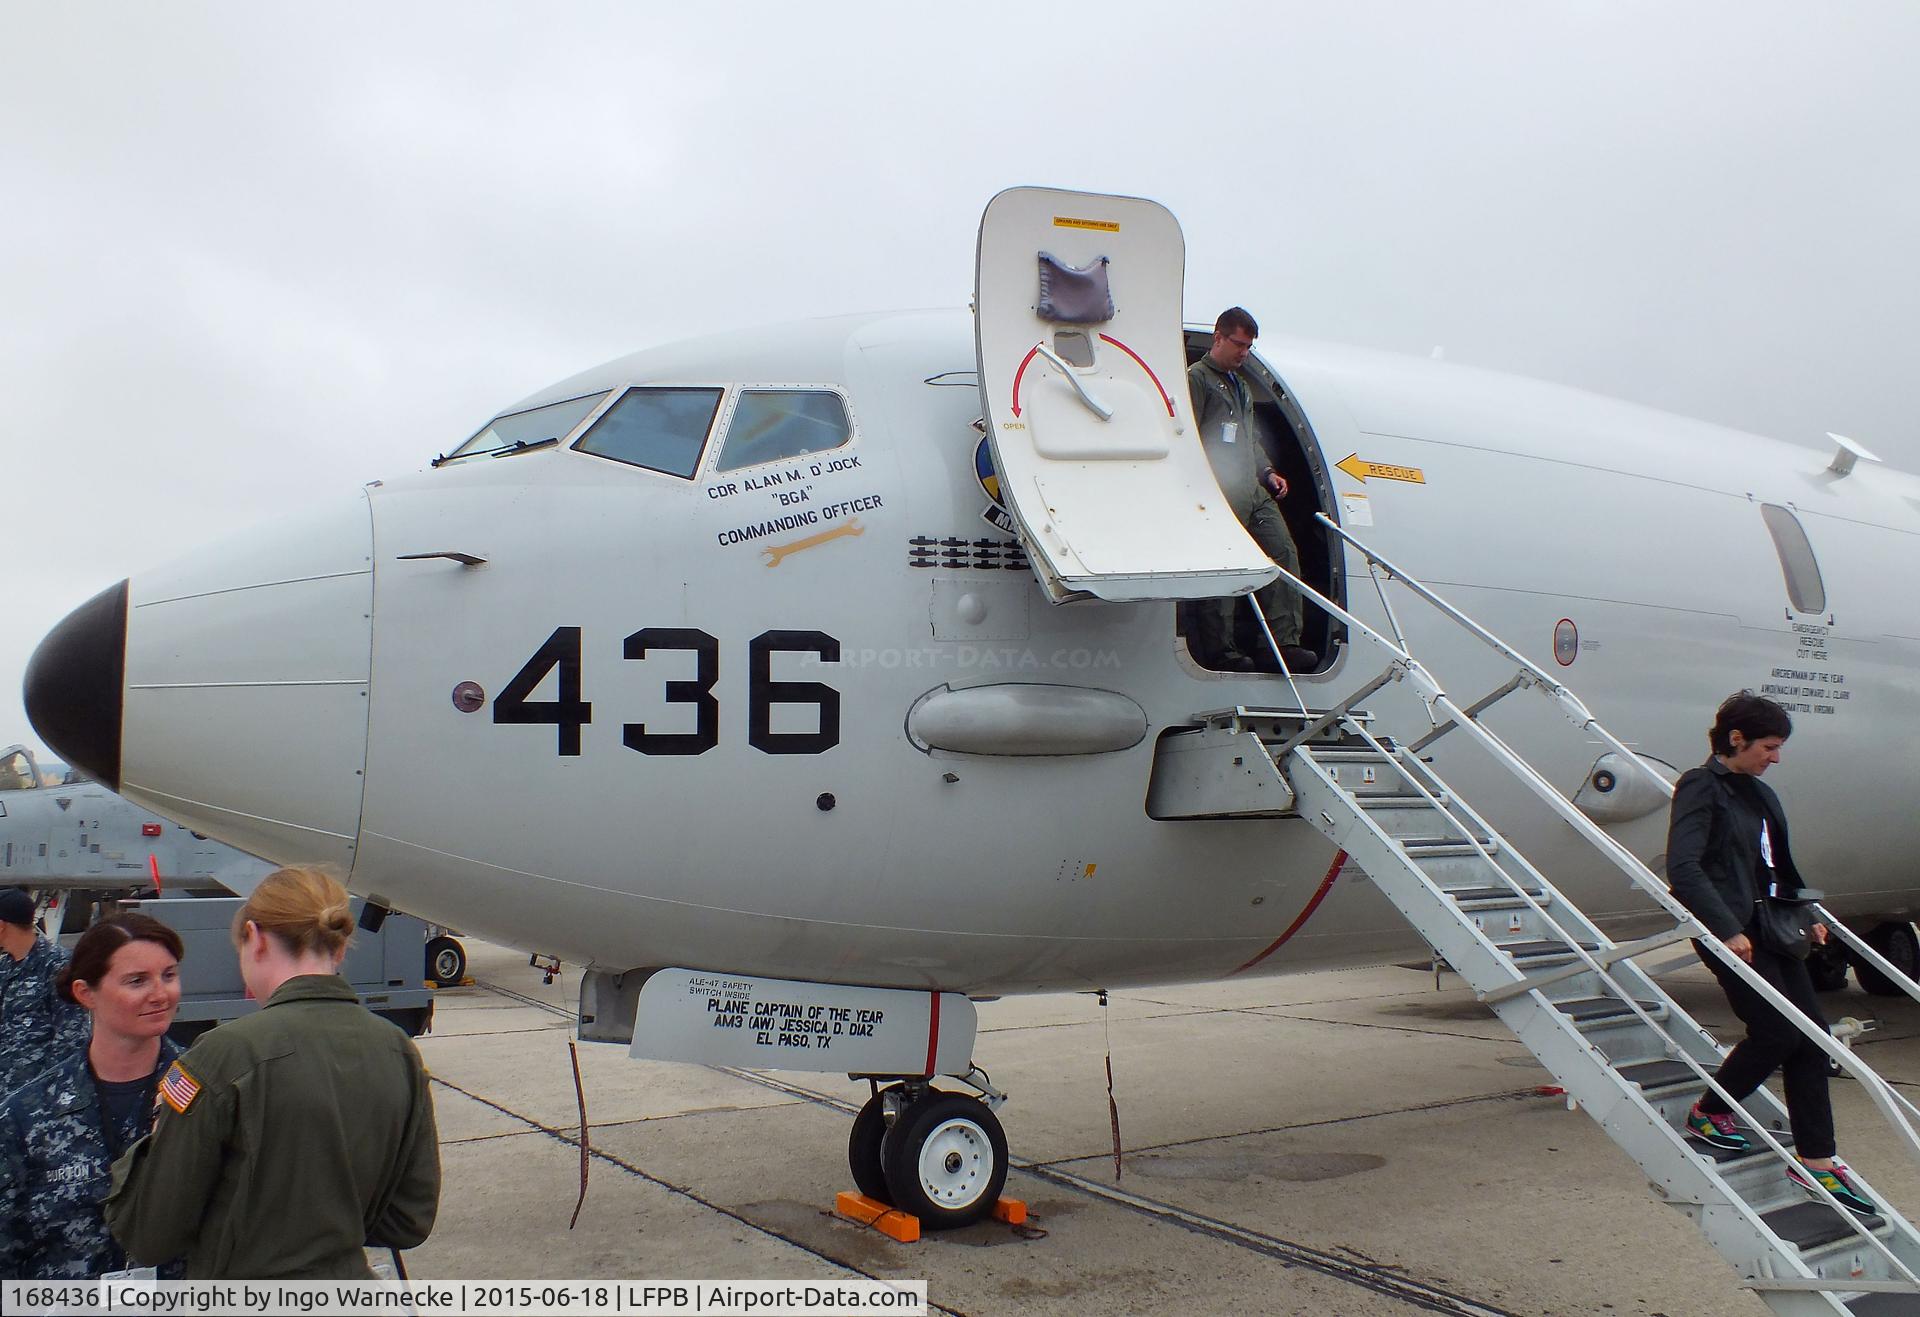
[37, 1025]
[290, 1138]
[62, 1129]
[1230, 434]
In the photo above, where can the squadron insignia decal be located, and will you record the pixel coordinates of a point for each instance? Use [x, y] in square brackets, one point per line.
[996, 515]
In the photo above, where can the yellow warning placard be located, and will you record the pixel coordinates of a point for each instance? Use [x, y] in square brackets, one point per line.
[1362, 470]
[1098, 226]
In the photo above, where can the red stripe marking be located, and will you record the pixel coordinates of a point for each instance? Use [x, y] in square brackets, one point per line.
[1032, 352]
[153, 863]
[933, 1035]
[1108, 338]
[1326, 885]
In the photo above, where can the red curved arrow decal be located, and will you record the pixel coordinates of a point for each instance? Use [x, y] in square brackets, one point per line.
[1032, 352]
[1108, 338]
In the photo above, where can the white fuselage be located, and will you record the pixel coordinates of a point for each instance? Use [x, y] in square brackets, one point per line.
[325, 670]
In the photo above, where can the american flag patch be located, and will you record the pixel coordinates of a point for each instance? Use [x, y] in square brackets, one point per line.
[178, 1089]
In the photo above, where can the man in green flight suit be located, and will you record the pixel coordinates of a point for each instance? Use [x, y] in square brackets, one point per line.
[1230, 433]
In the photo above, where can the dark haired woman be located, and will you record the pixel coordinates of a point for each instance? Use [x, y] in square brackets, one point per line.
[290, 1138]
[60, 1132]
[1726, 852]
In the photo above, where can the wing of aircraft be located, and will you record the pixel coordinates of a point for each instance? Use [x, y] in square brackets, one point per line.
[806, 683]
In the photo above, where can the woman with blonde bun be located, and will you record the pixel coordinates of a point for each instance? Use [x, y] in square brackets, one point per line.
[289, 1139]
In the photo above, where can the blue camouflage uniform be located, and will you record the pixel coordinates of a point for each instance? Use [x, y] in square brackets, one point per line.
[56, 1165]
[37, 1026]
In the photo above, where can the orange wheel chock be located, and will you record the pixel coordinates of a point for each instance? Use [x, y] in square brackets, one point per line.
[863, 1210]
[895, 1224]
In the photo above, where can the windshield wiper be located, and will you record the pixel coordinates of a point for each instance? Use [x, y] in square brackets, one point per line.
[504, 450]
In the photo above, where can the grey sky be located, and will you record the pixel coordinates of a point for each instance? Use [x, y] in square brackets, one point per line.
[250, 253]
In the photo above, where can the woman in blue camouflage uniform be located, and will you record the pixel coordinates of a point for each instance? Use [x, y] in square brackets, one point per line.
[60, 1132]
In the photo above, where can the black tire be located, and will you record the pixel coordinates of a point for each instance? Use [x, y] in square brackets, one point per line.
[863, 1149]
[1827, 966]
[446, 961]
[1897, 942]
[946, 1160]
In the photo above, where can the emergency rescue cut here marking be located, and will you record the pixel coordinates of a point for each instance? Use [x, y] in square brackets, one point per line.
[1362, 470]
[1098, 226]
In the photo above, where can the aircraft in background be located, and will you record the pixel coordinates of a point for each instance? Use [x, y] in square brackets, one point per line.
[60, 833]
[79, 845]
[804, 683]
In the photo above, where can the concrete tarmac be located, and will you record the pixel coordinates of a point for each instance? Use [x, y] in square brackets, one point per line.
[1348, 1143]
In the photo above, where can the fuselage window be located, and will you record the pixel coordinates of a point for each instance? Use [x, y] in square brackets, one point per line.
[662, 430]
[1805, 591]
[772, 425]
[553, 421]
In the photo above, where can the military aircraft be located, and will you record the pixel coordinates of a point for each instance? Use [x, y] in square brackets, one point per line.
[808, 682]
[60, 832]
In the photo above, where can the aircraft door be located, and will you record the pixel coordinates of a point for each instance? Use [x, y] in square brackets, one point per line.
[1077, 330]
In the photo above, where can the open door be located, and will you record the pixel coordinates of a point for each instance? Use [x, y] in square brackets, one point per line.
[1077, 311]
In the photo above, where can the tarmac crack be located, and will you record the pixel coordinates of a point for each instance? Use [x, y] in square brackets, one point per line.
[1509, 1095]
[1374, 1277]
[678, 1190]
[1377, 1277]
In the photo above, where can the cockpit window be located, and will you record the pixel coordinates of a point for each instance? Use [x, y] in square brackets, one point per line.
[771, 425]
[660, 429]
[16, 772]
[518, 429]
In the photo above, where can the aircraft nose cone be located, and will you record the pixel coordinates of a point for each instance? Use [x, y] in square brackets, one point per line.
[75, 685]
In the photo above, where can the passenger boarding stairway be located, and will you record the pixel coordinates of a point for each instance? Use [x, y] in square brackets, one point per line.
[1581, 1002]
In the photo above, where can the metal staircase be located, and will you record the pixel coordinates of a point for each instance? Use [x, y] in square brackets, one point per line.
[1581, 1001]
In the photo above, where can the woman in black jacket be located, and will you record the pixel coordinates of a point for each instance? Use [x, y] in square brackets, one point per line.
[1726, 850]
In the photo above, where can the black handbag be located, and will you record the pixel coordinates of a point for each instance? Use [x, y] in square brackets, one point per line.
[1784, 924]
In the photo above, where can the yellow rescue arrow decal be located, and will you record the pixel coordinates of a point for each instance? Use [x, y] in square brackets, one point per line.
[1357, 467]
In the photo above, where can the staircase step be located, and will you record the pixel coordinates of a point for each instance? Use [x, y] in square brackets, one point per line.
[1545, 947]
[1658, 1074]
[1393, 800]
[1506, 894]
[1731, 1162]
[1431, 848]
[1809, 1224]
[1587, 1010]
[1346, 755]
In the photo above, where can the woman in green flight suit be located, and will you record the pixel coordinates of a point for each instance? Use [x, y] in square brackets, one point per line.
[289, 1139]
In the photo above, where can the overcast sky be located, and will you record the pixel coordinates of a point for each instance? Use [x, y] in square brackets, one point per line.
[253, 252]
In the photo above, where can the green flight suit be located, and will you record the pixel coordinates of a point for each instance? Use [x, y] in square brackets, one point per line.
[1230, 436]
[286, 1141]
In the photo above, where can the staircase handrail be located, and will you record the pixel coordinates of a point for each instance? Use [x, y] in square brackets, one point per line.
[1402, 664]
[1606, 974]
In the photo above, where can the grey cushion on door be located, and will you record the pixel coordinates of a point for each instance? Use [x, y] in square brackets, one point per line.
[1074, 297]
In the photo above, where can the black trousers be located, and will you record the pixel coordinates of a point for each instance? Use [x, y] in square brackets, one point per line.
[1773, 1043]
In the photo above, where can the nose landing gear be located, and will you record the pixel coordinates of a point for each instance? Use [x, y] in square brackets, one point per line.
[936, 1155]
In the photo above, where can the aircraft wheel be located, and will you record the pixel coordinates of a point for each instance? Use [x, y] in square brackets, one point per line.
[1897, 942]
[446, 961]
[946, 1160]
[1827, 967]
[863, 1148]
